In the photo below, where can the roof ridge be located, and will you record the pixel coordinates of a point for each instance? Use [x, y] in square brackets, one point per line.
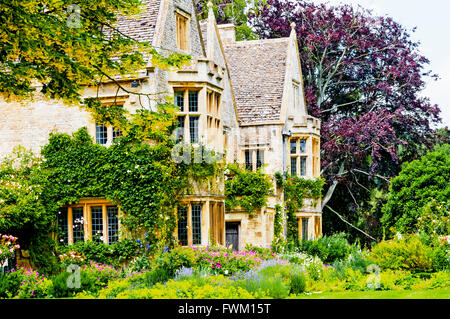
[258, 41]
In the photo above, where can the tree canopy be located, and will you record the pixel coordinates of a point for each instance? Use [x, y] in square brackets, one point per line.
[363, 77]
[61, 47]
[419, 183]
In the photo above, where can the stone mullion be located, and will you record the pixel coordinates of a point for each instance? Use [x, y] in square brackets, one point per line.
[105, 224]
[70, 225]
[189, 224]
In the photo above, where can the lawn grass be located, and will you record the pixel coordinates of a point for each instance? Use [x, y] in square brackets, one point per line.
[387, 294]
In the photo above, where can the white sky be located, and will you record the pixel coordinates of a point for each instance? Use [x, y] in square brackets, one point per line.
[433, 27]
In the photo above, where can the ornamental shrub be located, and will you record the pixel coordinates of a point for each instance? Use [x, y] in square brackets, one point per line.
[328, 248]
[418, 184]
[246, 188]
[102, 273]
[176, 258]
[297, 282]
[9, 283]
[407, 253]
[215, 287]
[100, 252]
[8, 247]
[227, 261]
[60, 288]
[33, 285]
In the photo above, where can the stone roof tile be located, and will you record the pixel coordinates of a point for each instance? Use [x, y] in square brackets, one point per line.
[257, 70]
[141, 28]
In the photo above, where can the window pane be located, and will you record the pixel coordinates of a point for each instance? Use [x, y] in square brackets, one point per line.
[77, 224]
[293, 166]
[293, 146]
[63, 226]
[112, 213]
[259, 158]
[304, 228]
[303, 166]
[193, 128]
[179, 100]
[196, 224]
[193, 101]
[248, 160]
[180, 128]
[101, 133]
[97, 223]
[302, 146]
[182, 225]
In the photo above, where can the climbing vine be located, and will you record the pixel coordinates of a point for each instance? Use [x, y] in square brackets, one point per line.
[247, 189]
[136, 172]
[296, 189]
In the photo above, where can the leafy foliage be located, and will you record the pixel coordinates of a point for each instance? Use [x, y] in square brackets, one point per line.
[136, 172]
[328, 248]
[420, 184]
[66, 47]
[296, 189]
[408, 253]
[235, 12]
[362, 78]
[246, 189]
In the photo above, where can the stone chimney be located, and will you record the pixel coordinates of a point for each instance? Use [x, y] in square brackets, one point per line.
[227, 33]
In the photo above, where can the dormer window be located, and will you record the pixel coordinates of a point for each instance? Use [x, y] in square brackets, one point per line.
[182, 31]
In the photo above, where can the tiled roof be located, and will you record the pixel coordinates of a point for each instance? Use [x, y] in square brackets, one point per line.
[141, 28]
[257, 70]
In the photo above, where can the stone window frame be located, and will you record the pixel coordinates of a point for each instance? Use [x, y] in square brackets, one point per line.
[111, 132]
[212, 210]
[186, 114]
[300, 157]
[86, 204]
[182, 25]
[213, 114]
[189, 221]
[254, 160]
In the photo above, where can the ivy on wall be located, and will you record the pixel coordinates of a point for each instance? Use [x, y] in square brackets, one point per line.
[140, 177]
[296, 189]
[247, 189]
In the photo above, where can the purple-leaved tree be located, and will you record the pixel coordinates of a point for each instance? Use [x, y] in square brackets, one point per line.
[363, 76]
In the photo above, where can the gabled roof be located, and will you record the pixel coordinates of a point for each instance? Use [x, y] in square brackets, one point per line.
[257, 71]
[142, 27]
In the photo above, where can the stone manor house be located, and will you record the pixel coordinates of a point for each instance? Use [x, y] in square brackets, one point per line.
[241, 98]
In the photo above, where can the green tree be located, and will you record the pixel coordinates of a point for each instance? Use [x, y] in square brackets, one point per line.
[419, 183]
[232, 11]
[64, 47]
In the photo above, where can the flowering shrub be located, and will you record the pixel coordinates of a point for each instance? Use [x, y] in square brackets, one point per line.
[102, 273]
[70, 258]
[8, 247]
[272, 278]
[434, 219]
[226, 261]
[33, 284]
[183, 273]
[408, 253]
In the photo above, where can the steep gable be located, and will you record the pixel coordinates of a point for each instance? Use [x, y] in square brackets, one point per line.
[257, 71]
